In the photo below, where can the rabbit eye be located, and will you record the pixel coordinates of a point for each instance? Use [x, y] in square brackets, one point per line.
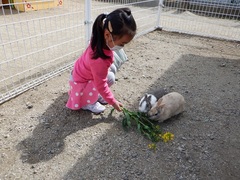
[149, 104]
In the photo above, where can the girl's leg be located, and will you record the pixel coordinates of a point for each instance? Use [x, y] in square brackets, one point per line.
[113, 68]
[111, 75]
[110, 78]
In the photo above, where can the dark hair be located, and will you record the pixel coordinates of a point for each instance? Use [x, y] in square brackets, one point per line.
[119, 22]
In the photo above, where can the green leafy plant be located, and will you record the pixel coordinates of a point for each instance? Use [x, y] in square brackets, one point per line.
[145, 126]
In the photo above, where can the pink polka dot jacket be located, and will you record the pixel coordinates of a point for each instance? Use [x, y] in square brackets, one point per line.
[89, 79]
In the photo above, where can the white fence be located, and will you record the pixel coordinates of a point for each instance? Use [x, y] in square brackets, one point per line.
[211, 18]
[40, 39]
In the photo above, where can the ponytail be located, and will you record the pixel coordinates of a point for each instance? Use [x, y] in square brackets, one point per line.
[98, 41]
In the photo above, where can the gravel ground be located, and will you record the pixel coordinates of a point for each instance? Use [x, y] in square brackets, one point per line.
[41, 139]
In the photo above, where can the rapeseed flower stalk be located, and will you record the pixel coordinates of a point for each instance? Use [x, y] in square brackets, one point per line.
[145, 126]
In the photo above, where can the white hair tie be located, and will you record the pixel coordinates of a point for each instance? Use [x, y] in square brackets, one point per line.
[103, 22]
[110, 27]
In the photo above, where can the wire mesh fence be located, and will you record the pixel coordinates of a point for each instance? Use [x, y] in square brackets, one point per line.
[40, 39]
[211, 18]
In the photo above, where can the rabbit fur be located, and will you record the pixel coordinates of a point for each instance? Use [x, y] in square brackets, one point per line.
[167, 106]
[149, 99]
[158, 93]
[146, 103]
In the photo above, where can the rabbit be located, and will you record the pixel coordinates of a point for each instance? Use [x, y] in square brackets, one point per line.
[149, 99]
[167, 106]
[146, 103]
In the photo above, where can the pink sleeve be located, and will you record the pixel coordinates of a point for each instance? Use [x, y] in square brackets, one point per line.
[99, 69]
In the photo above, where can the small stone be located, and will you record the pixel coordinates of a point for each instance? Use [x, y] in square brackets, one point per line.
[134, 155]
[29, 106]
[223, 65]
[58, 144]
[6, 136]
[51, 152]
[180, 149]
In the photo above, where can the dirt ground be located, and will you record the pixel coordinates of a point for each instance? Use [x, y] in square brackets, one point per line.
[41, 139]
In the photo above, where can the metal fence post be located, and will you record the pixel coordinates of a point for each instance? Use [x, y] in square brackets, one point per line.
[160, 6]
[88, 21]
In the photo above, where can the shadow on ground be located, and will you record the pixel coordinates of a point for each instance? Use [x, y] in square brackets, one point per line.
[54, 126]
[206, 136]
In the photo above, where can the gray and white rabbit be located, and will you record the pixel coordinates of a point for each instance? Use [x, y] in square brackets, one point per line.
[149, 99]
[146, 103]
[167, 106]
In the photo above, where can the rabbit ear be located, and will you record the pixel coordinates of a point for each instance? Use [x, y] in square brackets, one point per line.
[148, 98]
[160, 103]
[145, 97]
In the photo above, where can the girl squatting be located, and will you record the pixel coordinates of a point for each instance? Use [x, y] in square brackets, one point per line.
[94, 71]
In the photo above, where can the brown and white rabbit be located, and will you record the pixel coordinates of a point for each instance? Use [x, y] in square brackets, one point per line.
[149, 99]
[167, 106]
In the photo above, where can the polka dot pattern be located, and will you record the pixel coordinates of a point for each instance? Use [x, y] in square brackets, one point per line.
[81, 94]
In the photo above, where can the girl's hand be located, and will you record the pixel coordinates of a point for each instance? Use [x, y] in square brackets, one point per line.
[118, 106]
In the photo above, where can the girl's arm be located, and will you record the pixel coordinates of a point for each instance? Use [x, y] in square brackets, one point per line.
[99, 69]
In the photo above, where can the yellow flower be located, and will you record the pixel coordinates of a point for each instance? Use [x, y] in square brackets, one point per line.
[152, 146]
[167, 137]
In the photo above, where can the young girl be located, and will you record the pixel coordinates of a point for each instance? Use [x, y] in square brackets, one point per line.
[94, 72]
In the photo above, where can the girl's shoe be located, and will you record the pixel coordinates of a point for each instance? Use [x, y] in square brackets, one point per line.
[96, 108]
[101, 100]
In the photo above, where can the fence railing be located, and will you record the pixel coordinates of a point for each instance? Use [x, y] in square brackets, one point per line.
[40, 39]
